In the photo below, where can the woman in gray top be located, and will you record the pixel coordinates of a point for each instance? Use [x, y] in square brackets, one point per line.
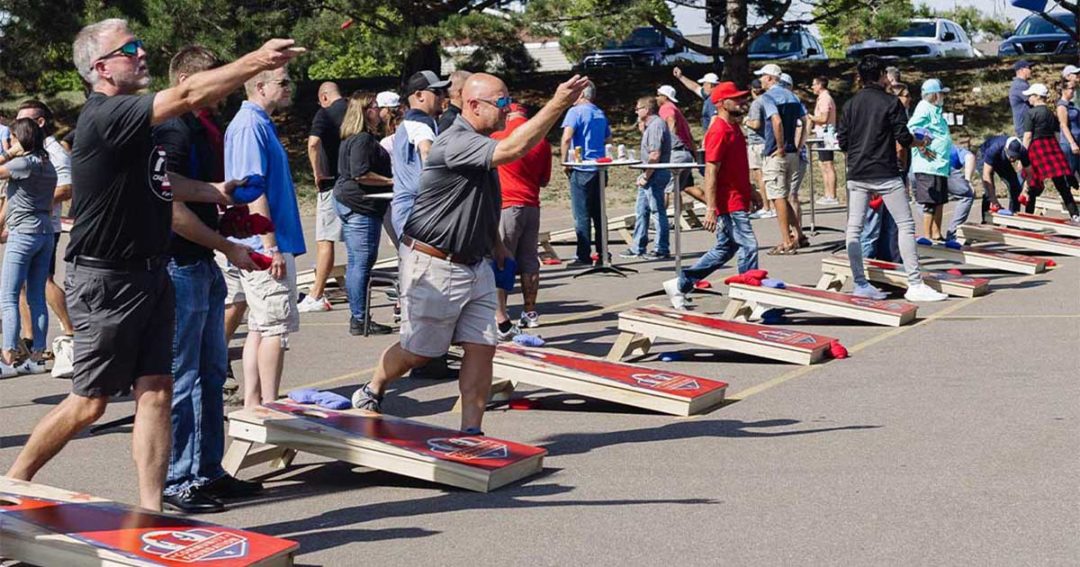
[31, 181]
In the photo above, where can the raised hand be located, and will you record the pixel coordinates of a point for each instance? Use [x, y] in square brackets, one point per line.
[568, 92]
[277, 52]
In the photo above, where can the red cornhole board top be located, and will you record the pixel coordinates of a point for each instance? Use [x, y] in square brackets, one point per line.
[142, 535]
[680, 385]
[887, 306]
[1051, 220]
[1056, 239]
[940, 276]
[796, 339]
[1003, 254]
[444, 444]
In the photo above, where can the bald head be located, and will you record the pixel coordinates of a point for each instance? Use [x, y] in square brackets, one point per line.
[328, 93]
[480, 96]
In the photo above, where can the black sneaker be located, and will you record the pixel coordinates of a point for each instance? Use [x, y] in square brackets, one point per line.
[193, 502]
[379, 329]
[229, 486]
[356, 328]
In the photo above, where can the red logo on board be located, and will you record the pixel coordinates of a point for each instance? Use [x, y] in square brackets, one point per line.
[194, 545]
[786, 336]
[665, 382]
[468, 448]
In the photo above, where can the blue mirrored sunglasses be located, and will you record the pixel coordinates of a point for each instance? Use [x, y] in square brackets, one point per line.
[502, 103]
[129, 49]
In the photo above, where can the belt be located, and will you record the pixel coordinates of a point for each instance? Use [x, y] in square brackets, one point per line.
[146, 264]
[434, 252]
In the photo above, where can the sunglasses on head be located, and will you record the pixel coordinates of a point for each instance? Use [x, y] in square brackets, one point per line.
[129, 49]
[502, 103]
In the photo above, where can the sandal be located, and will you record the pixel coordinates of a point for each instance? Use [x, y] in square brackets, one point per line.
[781, 250]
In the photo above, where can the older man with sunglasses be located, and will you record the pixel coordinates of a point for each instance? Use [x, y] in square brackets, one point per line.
[448, 284]
[120, 296]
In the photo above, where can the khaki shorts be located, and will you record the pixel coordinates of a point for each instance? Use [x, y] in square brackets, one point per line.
[753, 154]
[327, 221]
[272, 303]
[234, 292]
[443, 303]
[520, 229]
[777, 172]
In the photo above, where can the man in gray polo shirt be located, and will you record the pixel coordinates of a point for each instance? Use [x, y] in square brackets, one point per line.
[655, 148]
[448, 287]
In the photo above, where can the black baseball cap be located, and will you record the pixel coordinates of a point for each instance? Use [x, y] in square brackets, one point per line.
[424, 81]
[1021, 64]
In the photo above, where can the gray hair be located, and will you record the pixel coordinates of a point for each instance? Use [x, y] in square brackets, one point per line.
[933, 98]
[590, 91]
[262, 77]
[87, 48]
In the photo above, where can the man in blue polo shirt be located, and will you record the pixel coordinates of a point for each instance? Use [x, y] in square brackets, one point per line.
[1018, 103]
[782, 114]
[252, 148]
[585, 126]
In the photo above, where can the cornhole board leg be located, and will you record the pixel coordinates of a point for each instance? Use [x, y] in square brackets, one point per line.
[44, 525]
[500, 393]
[243, 454]
[549, 251]
[831, 282]
[628, 342]
[737, 309]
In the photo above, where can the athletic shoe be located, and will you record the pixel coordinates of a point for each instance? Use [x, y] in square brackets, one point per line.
[473, 431]
[756, 214]
[575, 263]
[363, 398]
[1076, 219]
[229, 486]
[828, 201]
[924, 293]
[379, 329]
[677, 298]
[868, 291]
[529, 320]
[656, 256]
[953, 244]
[629, 255]
[769, 214]
[63, 359]
[509, 334]
[313, 305]
[924, 241]
[7, 370]
[191, 501]
[30, 366]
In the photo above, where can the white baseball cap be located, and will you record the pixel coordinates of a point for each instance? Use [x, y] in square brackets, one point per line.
[668, 91]
[1070, 70]
[786, 79]
[1037, 89]
[709, 78]
[387, 99]
[770, 69]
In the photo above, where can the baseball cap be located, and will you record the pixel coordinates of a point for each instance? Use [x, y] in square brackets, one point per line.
[668, 91]
[726, 90]
[387, 99]
[931, 86]
[1037, 89]
[755, 84]
[1021, 64]
[424, 81]
[770, 69]
[786, 79]
[1014, 149]
[518, 108]
[710, 78]
[1070, 70]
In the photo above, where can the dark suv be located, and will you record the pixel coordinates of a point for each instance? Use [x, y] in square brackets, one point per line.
[1038, 36]
[646, 47]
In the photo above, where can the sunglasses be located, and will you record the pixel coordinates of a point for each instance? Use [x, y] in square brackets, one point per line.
[501, 103]
[129, 49]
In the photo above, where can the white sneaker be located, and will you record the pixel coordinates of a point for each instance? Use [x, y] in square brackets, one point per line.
[868, 291]
[7, 370]
[756, 214]
[63, 357]
[678, 298]
[529, 320]
[769, 214]
[508, 335]
[31, 367]
[828, 201]
[924, 293]
[313, 305]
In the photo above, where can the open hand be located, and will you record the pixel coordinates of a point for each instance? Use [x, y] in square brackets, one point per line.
[568, 92]
[277, 52]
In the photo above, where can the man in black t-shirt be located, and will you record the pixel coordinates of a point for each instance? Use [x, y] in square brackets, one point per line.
[448, 287]
[119, 294]
[323, 144]
[453, 99]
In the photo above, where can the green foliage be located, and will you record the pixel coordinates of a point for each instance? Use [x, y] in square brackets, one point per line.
[585, 25]
[868, 20]
[35, 36]
[337, 54]
[496, 43]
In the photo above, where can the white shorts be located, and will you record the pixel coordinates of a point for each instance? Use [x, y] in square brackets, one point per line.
[327, 221]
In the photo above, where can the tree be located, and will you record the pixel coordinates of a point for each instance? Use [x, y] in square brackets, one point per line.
[875, 19]
[35, 42]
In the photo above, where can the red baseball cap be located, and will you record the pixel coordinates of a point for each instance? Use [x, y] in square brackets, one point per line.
[726, 90]
[517, 107]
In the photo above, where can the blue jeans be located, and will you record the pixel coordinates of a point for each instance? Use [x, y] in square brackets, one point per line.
[200, 358]
[26, 260]
[361, 233]
[960, 190]
[650, 199]
[733, 234]
[585, 204]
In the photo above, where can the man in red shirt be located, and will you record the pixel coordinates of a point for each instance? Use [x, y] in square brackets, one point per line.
[521, 181]
[728, 197]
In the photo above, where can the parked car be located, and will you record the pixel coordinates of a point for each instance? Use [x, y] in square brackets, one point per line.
[1038, 36]
[936, 37]
[787, 44]
[646, 47]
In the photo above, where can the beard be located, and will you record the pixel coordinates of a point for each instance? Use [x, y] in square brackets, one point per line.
[738, 110]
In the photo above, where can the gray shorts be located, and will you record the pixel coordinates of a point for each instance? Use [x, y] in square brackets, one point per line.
[520, 229]
[443, 303]
[234, 292]
[327, 221]
[272, 303]
[124, 322]
[686, 177]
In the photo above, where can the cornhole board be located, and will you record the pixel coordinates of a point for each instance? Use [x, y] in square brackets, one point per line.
[743, 298]
[43, 525]
[835, 270]
[1050, 206]
[987, 258]
[623, 224]
[1026, 239]
[547, 251]
[641, 326]
[378, 441]
[306, 278]
[629, 384]
[1064, 227]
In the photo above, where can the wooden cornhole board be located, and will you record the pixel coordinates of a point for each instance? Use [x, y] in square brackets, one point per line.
[890, 313]
[987, 258]
[629, 384]
[306, 278]
[43, 525]
[835, 270]
[623, 224]
[547, 251]
[641, 326]
[1029, 240]
[377, 441]
[1050, 206]
[1064, 227]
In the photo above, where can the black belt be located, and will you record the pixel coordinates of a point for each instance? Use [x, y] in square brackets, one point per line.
[145, 264]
